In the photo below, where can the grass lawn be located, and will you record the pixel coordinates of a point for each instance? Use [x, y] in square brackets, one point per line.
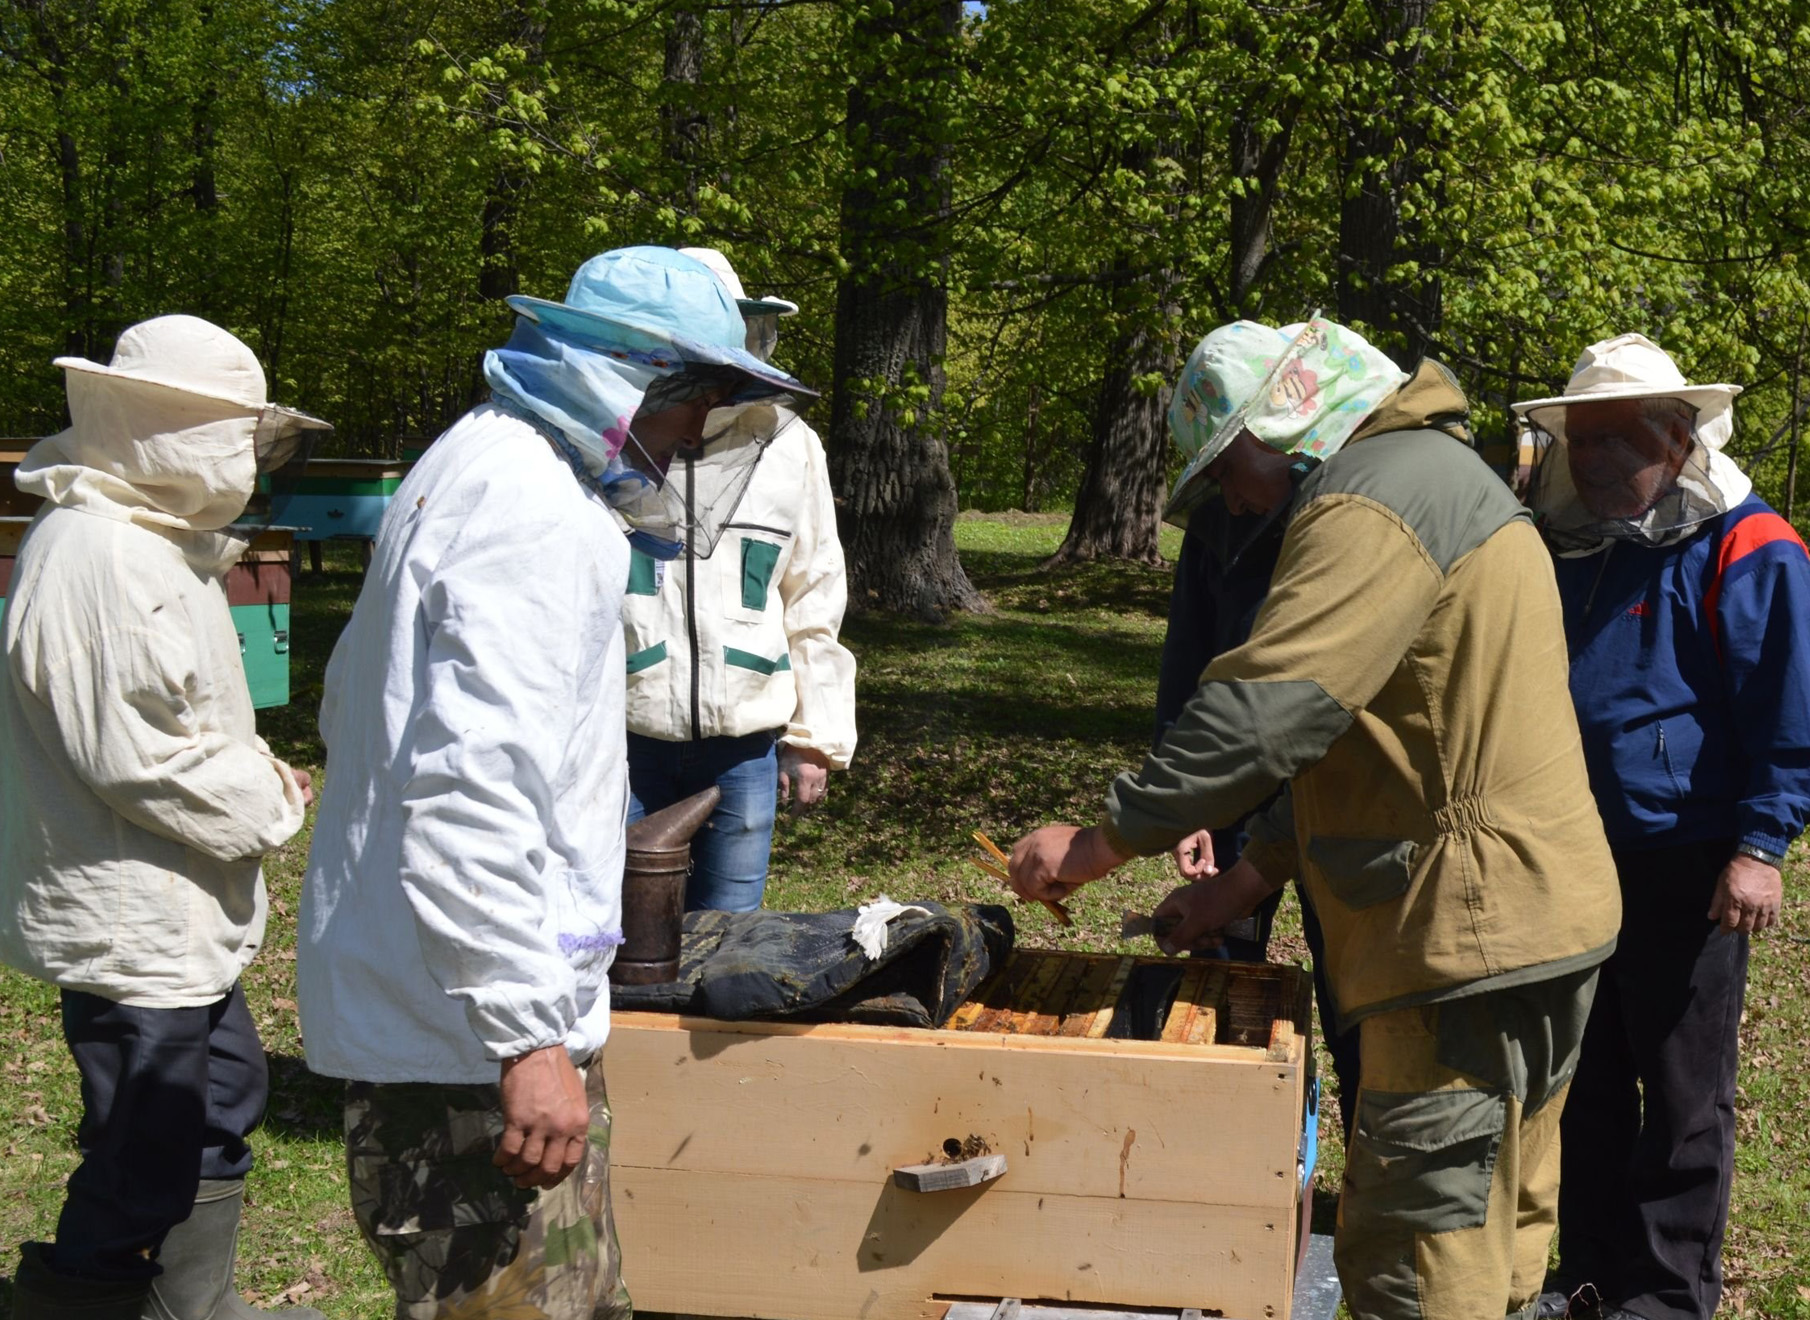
[999, 723]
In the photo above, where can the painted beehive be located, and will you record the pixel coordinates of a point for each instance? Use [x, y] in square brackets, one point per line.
[257, 591]
[1150, 1111]
[340, 497]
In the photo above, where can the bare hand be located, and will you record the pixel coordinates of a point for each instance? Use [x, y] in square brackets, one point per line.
[305, 782]
[1748, 896]
[1055, 861]
[1204, 908]
[546, 1118]
[1194, 856]
[806, 770]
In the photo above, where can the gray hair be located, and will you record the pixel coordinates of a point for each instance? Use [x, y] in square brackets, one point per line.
[1665, 409]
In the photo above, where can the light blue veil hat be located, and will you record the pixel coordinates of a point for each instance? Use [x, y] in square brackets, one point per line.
[661, 307]
[641, 328]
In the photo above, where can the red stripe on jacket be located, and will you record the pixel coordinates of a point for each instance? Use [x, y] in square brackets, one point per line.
[1741, 540]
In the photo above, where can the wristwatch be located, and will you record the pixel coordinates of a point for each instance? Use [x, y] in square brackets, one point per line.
[1775, 860]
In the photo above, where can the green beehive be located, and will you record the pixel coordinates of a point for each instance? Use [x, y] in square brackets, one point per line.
[257, 592]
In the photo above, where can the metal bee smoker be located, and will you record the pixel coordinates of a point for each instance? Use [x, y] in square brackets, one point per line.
[653, 890]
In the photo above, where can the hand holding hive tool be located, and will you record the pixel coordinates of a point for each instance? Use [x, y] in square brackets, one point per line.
[999, 872]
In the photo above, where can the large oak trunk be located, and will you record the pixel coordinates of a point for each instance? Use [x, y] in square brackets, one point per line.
[1385, 143]
[890, 467]
[1119, 506]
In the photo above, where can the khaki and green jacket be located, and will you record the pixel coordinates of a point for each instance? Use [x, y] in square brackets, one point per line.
[1406, 678]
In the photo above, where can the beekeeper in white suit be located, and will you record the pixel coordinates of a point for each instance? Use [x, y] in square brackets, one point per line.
[736, 674]
[136, 800]
[463, 899]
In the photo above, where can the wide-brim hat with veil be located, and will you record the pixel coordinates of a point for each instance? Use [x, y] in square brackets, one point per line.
[641, 329]
[171, 432]
[663, 307]
[185, 355]
[1631, 368]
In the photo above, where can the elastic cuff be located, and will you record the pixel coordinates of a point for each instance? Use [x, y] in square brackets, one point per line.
[1118, 842]
[1772, 843]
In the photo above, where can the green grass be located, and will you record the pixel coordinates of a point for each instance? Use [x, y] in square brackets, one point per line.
[998, 723]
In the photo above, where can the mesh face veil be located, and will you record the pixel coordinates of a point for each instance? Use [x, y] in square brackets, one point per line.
[1625, 470]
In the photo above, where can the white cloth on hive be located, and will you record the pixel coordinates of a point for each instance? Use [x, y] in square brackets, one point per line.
[871, 920]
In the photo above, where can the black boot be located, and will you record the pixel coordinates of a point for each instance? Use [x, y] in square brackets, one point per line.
[1557, 1304]
[40, 1293]
[198, 1258]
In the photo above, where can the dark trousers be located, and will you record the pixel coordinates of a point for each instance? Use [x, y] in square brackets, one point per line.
[1342, 1046]
[1649, 1131]
[169, 1096]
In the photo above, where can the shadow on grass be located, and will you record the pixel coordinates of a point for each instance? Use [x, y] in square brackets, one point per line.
[303, 1103]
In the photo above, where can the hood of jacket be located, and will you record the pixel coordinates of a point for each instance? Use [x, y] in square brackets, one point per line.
[1429, 400]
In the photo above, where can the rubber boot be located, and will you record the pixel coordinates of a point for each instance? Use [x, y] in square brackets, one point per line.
[40, 1293]
[198, 1258]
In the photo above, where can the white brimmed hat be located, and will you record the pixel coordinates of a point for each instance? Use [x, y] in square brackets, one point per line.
[1632, 366]
[191, 356]
[771, 305]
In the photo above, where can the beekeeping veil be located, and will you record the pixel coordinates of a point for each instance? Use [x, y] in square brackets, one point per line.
[1630, 451]
[173, 432]
[641, 329]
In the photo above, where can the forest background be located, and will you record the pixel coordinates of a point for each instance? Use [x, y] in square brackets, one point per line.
[1006, 223]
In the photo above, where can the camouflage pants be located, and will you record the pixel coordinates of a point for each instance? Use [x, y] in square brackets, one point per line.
[456, 1237]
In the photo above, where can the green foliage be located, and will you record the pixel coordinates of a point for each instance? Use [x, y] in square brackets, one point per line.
[353, 184]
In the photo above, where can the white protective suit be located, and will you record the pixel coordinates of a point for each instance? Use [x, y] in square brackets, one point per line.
[463, 898]
[135, 795]
[752, 644]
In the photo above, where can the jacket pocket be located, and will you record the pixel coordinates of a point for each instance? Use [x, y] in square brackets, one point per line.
[647, 657]
[643, 574]
[1363, 872]
[1664, 756]
[1422, 1162]
[736, 658]
[759, 559]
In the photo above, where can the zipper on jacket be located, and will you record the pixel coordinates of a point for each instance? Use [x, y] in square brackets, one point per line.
[691, 594]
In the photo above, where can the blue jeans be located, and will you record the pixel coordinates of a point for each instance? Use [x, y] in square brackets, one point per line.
[729, 855]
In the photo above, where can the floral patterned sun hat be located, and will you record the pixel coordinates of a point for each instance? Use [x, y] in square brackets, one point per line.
[1302, 389]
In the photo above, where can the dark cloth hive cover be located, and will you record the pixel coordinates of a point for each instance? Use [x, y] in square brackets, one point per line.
[806, 967]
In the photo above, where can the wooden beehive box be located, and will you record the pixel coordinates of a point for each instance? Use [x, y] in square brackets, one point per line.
[751, 1162]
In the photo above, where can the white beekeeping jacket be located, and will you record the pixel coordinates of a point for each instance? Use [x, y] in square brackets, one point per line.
[135, 795]
[746, 640]
[463, 897]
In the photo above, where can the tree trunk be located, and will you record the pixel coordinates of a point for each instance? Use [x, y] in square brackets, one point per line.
[1385, 144]
[1257, 172]
[896, 499]
[1119, 506]
[1029, 501]
[681, 120]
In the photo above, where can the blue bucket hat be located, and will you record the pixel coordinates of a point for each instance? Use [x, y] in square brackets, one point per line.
[656, 304]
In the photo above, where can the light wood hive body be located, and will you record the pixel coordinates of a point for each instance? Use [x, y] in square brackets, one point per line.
[751, 1162]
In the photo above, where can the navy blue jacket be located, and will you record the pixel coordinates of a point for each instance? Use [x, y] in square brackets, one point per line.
[1690, 669]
